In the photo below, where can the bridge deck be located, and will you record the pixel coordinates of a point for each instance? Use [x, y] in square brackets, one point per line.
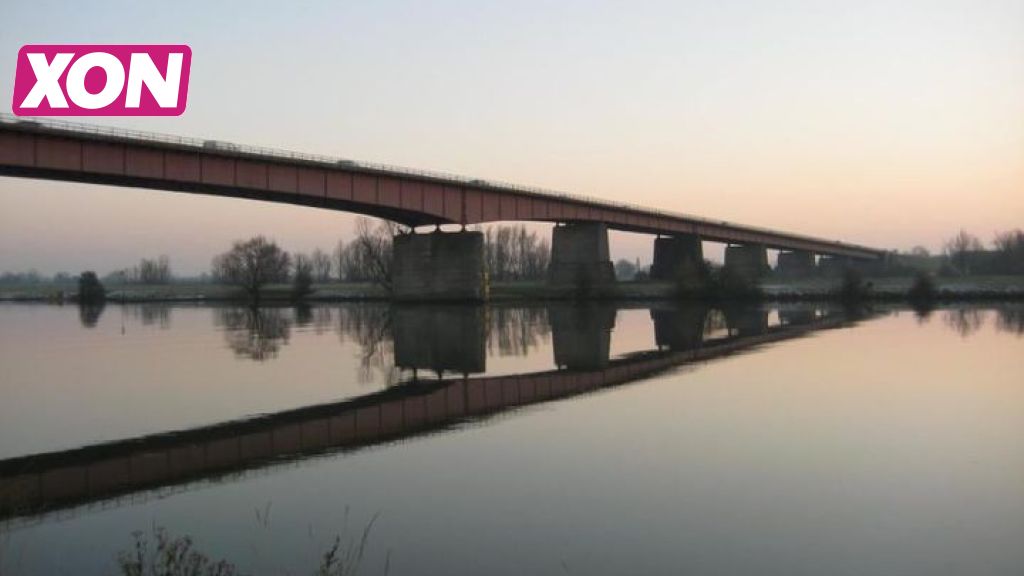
[59, 150]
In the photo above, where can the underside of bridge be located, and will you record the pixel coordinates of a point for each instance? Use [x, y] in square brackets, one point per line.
[437, 266]
[440, 266]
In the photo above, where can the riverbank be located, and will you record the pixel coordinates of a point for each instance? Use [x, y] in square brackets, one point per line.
[772, 289]
[898, 288]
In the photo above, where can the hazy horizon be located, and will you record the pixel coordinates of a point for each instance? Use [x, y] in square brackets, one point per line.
[878, 124]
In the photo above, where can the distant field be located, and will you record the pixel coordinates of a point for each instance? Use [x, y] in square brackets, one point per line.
[1011, 286]
[978, 286]
[195, 291]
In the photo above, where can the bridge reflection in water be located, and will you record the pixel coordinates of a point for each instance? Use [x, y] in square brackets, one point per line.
[439, 340]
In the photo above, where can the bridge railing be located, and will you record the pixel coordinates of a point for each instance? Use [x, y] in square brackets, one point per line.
[225, 146]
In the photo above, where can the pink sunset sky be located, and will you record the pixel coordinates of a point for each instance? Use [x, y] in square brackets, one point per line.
[890, 124]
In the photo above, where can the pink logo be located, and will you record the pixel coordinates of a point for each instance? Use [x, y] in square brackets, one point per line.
[101, 80]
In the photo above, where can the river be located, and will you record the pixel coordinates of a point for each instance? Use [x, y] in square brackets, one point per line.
[636, 438]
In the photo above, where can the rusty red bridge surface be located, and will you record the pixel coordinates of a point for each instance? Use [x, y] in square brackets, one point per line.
[438, 266]
[60, 150]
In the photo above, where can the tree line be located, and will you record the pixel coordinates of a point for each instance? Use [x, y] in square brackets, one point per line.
[964, 254]
[511, 253]
[148, 271]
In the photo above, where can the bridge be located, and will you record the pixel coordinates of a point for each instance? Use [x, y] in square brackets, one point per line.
[438, 265]
[34, 486]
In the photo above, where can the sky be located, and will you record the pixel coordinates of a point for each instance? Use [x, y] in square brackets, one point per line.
[889, 124]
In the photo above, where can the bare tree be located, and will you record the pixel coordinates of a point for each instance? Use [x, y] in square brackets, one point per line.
[374, 245]
[368, 257]
[959, 247]
[340, 259]
[147, 271]
[322, 265]
[1009, 247]
[156, 271]
[251, 264]
[625, 270]
[512, 253]
[302, 278]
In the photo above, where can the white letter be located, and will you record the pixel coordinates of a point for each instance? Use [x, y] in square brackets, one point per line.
[143, 71]
[47, 75]
[76, 80]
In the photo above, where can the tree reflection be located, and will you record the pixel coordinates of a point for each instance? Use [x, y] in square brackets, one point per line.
[715, 323]
[89, 313]
[151, 314]
[369, 326]
[319, 318]
[923, 310]
[515, 331]
[303, 314]
[965, 321]
[1010, 319]
[254, 333]
[323, 319]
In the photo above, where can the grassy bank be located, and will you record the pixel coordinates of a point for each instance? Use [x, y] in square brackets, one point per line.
[197, 292]
[898, 288]
[967, 288]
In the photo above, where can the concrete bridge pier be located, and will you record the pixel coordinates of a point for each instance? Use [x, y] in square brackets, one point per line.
[678, 259]
[833, 265]
[747, 261]
[438, 266]
[869, 267]
[580, 258]
[796, 263]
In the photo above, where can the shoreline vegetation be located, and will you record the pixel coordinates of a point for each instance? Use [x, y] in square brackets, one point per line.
[517, 265]
[1009, 287]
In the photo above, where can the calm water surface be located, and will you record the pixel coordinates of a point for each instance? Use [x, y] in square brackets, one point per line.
[555, 439]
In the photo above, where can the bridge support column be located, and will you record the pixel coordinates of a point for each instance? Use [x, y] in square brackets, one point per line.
[678, 259]
[833, 265]
[438, 266]
[868, 267]
[796, 263]
[579, 258]
[747, 261]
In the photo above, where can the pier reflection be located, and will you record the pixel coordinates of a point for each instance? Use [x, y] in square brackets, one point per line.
[679, 328]
[582, 335]
[746, 319]
[442, 340]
